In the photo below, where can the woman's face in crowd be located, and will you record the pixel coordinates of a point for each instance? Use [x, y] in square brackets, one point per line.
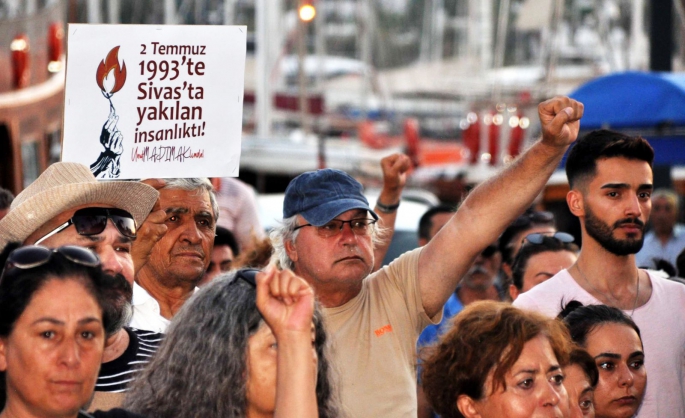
[262, 358]
[53, 354]
[534, 387]
[580, 392]
[617, 351]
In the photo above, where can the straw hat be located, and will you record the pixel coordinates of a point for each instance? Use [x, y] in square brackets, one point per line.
[67, 185]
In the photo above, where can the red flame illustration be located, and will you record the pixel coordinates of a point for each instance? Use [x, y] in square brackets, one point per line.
[111, 63]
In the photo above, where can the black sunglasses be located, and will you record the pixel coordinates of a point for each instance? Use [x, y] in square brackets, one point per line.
[32, 256]
[249, 276]
[92, 221]
[538, 238]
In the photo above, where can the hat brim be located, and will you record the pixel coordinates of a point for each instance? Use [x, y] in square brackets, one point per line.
[136, 198]
[326, 212]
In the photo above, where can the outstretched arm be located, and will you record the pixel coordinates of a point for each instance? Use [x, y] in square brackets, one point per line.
[287, 304]
[491, 206]
[395, 169]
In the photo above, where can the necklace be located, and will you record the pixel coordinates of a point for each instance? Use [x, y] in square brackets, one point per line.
[637, 290]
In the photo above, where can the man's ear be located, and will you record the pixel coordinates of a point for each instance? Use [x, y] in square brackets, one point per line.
[3, 357]
[291, 251]
[467, 407]
[574, 199]
[513, 292]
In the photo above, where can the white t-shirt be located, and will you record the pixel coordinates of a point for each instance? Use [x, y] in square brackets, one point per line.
[146, 312]
[662, 327]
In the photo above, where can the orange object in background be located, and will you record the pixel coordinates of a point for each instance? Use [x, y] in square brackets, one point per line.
[516, 138]
[21, 70]
[471, 138]
[55, 41]
[411, 134]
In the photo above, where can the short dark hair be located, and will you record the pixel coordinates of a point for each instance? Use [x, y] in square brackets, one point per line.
[6, 198]
[485, 337]
[603, 143]
[426, 221]
[582, 320]
[528, 250]
[226, 237]
[584, 360]
[528, 220]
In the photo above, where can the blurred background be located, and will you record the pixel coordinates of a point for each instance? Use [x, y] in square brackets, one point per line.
[342, 83]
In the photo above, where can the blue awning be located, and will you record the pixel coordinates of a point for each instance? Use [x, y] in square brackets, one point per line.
[633, 100]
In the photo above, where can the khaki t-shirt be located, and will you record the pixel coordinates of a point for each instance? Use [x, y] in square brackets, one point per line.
[374, 342]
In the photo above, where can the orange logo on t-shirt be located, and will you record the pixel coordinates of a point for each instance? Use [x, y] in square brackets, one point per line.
[382, 330]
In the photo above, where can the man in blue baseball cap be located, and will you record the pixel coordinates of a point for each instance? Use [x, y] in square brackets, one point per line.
[328, 235]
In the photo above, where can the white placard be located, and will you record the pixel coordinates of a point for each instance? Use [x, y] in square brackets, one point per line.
[147, 101]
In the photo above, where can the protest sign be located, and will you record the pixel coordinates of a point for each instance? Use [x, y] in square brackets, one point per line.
[154, 101]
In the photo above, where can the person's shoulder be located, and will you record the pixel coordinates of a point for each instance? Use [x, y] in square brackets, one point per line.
[548, 295]
[397, 271]
[558, 283]
[146, 336]
[664, 284]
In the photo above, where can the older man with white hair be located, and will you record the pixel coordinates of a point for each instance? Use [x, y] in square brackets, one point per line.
[375, 318]
[179, 259]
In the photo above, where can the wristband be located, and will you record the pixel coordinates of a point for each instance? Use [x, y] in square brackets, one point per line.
[387, 208]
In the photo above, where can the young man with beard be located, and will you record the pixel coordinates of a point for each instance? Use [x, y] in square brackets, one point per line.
[610, 175]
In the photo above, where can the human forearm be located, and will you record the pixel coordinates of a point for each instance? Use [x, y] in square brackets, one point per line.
[387, 222]
[395, 168]
[296, 377]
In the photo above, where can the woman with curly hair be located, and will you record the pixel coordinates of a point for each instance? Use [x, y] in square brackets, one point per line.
[249, 344]
[498, 361]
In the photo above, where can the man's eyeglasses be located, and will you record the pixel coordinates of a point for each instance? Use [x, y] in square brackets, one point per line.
[538, 238]
[362, 226]
[92, 221]
[33, 256]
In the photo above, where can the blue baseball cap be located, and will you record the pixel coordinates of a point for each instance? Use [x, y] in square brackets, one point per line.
[321, 195]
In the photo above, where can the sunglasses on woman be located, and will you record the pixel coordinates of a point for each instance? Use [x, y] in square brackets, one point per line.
[92, 221]
[32, 256]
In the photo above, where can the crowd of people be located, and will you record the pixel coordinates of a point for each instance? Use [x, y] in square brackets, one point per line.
[164, 297]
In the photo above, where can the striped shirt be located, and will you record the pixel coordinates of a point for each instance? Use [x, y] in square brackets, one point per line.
[115, 375]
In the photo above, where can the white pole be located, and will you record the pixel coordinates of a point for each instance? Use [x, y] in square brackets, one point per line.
[438, 29]
[113, 8]
[169, 12]
[229, 6]
[30, 7]
[263, 92]
[638, 40]
[94, 15]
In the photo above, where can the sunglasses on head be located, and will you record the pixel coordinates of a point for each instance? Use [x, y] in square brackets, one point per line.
[538, 238]
[32, 256]
[247, 275]
[92, 221]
